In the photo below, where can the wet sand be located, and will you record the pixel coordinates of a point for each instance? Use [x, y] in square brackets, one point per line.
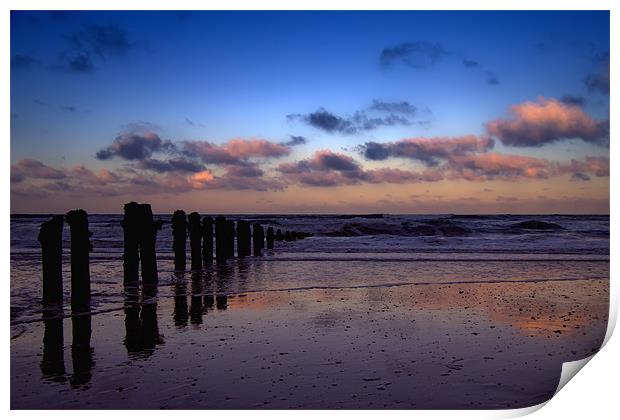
[468, 345]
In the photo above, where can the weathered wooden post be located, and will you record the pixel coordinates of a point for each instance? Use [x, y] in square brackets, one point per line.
[243, 238]
[131, 243]
[207, 240]
[50, 237]
[195, 237]
[270, 237]
[230, 239]
[179, 239]
[258, 239]
[80, 259]
[148, 238]
[220, 238]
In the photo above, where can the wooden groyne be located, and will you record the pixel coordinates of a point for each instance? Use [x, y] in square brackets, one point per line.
[210, 239]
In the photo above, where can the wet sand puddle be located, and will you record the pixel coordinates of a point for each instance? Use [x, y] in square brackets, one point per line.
[452, 345]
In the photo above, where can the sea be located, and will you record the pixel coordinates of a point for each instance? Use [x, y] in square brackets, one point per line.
[344, 251]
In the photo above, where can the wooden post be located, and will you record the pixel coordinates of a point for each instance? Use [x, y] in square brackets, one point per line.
[207, 240]
[80, 259]
[50, 237]
[179, 238]
[270, 237]
[258, 239]
[220, 238]
[279, 236]
[195, 236]
[148, 238]
[243, 238]
[287, 236]
[131, 244]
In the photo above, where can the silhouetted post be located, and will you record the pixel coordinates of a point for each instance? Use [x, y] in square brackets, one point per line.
[80, 260]
[220, 238]
[258, 239]
[131, 243]
[148, 238]
[207, 240]
[230, 238]
[270, 237]
[195, 237]
[244, 235]
[287, 236]
[279, 236]
[179, 238]
[50, 237]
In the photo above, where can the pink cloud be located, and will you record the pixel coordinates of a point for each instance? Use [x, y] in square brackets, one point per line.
[547, 121]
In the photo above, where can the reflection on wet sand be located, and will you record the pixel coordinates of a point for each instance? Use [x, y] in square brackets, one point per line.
[478, 345]
[195, 309]
[82, 354]
[81, 351]
[141, 328]
[53, 363]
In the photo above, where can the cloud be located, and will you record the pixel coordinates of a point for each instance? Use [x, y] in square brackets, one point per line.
[93, 41]
[101, 40]
[419, 55]
[499, 166]
[427, 150]
[295, 141]
[470, 63]
[491, 78]
[378, 114]
[171, 165]
[234, 151]
[573, 100]
[598, 166]
[31, 168]
[21, 61]
[423, 54]
[135, 146]
[598, 79]
[547, 121]
[402, 107]
[69, 108]
[329, 169]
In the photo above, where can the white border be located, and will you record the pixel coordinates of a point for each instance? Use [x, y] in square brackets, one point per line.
[593, 394]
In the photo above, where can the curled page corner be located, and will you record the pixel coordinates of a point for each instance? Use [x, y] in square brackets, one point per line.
[569, 370]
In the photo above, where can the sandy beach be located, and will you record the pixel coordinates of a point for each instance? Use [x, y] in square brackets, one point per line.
[461, 345]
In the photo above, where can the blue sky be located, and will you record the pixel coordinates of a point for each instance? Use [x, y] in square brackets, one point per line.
[217, 76]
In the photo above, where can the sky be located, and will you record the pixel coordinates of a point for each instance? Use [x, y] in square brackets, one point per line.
[310, 112]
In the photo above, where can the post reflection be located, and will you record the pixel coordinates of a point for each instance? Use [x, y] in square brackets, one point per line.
[81, 351]
[141, 328]
[53, 362]
[195, 310]
[180, 314]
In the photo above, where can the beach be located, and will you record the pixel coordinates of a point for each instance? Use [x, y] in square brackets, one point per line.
[422, 321]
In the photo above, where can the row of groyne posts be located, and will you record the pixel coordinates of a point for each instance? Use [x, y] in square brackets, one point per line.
[208, 237]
